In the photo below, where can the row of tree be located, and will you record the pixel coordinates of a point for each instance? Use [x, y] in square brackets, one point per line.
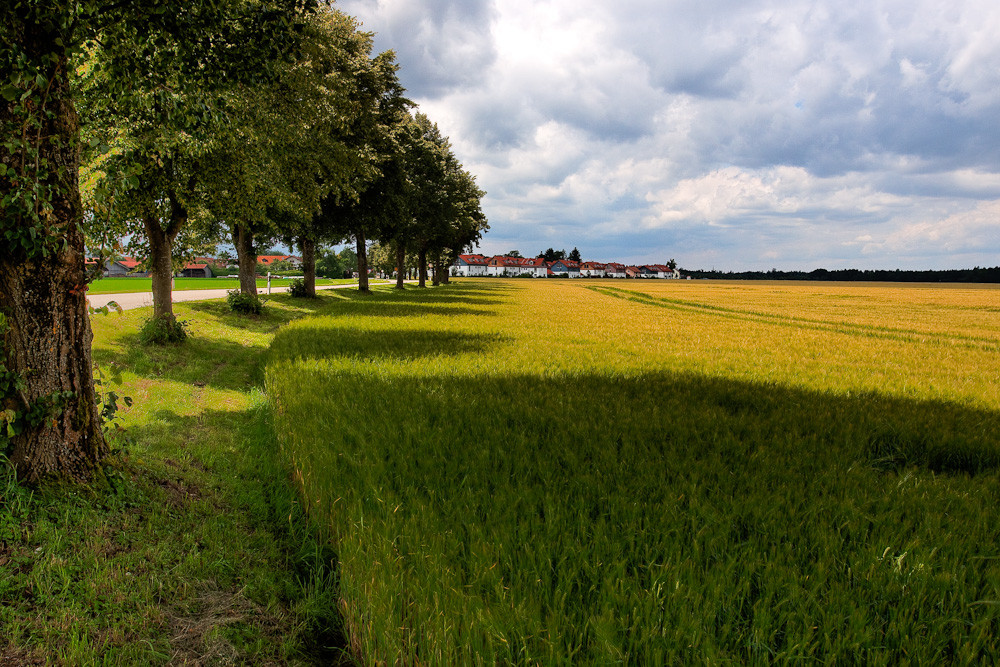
[164, 126]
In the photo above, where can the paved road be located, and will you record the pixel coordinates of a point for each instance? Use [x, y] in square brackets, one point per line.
[130, 300]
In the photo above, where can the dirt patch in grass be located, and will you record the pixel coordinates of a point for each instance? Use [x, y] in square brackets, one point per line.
[200, 638]
[179, 491]
[13, 656]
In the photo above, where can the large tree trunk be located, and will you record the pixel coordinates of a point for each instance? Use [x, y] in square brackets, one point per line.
[400, 264]
[243, 240]
[436, 279]
[161, 264]
[362, 261]
[309, 265]
[43, 299]
[422, 267]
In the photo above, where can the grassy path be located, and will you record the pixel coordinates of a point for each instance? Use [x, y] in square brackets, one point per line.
[196, 550]
[129, 285]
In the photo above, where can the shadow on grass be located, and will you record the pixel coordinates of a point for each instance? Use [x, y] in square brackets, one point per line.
[746, 497]
[198, 361]
[319, 342]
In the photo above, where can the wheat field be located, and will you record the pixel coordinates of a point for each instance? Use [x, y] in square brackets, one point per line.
[653, 472]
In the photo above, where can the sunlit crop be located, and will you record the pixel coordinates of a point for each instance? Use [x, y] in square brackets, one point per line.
[657, 472]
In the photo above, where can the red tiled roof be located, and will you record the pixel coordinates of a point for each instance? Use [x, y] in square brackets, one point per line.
[473, 259]
[270, 259]
[128, 262]
[195, 266]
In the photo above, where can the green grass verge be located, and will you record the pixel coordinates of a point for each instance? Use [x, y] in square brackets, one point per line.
[125, 285]
[195, 550]
[506, 487]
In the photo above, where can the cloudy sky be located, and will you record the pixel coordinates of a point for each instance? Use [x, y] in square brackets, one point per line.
[734, 134]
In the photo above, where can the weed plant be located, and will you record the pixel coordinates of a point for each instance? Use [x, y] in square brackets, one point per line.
[297, 288]
[163, 331]
[572, 472]
[245, 304]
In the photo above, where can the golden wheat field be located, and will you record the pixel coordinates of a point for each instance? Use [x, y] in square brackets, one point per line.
[603, 472]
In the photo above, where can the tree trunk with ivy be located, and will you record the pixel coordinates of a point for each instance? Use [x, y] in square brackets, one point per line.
[42, 276]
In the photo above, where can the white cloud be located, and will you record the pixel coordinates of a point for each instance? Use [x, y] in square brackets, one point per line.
[737, 131]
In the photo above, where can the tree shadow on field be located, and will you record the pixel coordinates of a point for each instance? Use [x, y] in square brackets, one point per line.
[322, 342]
[743, 496]
[199, 361]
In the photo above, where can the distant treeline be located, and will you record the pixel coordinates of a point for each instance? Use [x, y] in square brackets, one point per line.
[976, 275]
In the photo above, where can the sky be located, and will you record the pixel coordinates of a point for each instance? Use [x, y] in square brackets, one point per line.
[727, 134]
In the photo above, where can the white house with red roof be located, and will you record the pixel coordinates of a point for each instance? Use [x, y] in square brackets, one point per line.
[614, 270]
[469, 265]
[510, 267]
[536, 267]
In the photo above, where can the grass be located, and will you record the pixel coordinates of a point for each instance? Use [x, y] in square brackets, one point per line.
[650, 473]
[195, 549]
[125, 285]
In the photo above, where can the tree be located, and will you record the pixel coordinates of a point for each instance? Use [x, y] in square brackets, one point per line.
[551, 255]
[444, 201]
[48, 391]
[373, 201]
[512, 253]
[574, 255]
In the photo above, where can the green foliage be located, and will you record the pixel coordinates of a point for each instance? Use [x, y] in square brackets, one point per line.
[245, 304]
[163, 331]
[297, 288]
[11, 393]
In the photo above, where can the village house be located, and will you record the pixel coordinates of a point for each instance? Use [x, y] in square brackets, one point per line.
[469, 265]
[565, 267]
[614, 270]
[125, 266]
[537, 267]
[268, 260]
[502, 265]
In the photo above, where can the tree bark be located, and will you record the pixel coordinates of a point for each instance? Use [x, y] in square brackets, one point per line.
[309, 265]
[43, 299]
[422, 267]
[161, 262]
[243, 240]
[359, 236]
[400, 264]
[436, 276]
